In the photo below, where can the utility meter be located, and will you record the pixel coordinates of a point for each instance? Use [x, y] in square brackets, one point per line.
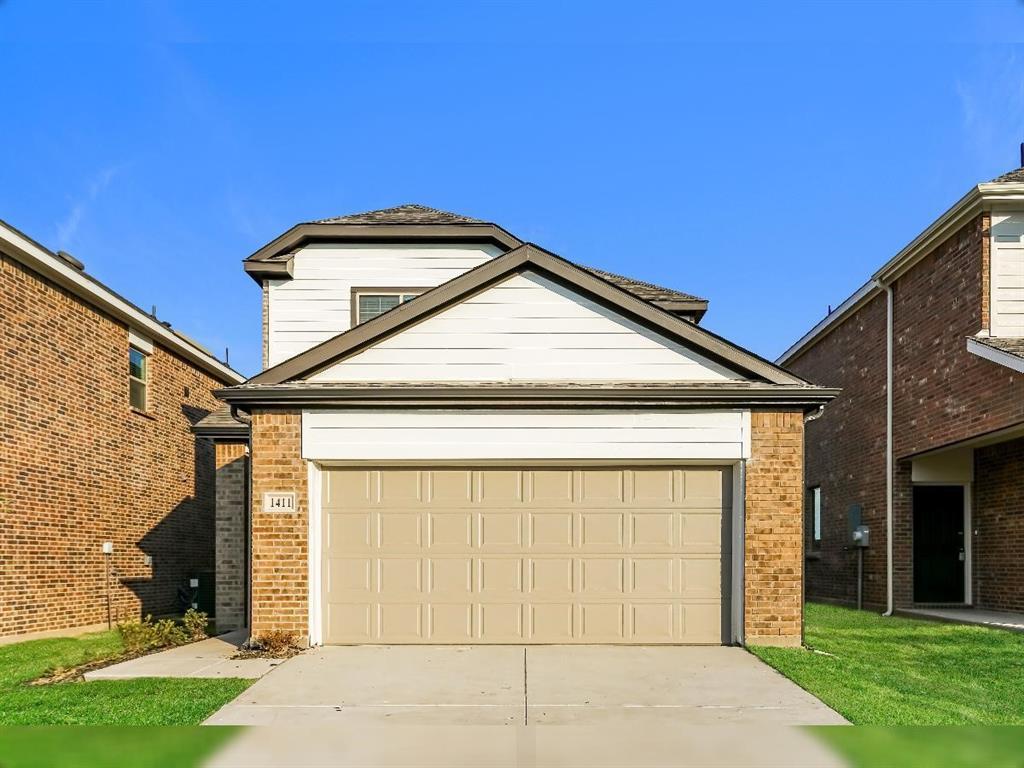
[862, 536]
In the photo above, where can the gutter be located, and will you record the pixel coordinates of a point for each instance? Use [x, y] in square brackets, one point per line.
[888, 444]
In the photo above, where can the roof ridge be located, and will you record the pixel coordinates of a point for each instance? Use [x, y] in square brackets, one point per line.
[406, 213]
[619, 280]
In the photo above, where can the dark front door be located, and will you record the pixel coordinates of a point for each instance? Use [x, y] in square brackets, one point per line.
[939, 552]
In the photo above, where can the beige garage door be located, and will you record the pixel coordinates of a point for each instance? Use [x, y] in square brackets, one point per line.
[523, 555]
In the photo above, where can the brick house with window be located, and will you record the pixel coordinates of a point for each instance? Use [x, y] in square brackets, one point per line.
[925, 443]
[460, 437]
[97, 400]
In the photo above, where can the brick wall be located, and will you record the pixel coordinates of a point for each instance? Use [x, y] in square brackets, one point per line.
[232, 495]
[773, 593]
[80, 467]
[280, 577]
[846, 455]
[941, 392]
[998, 517]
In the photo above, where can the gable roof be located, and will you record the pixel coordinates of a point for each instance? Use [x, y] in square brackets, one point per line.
[420, 223]
[527, 256]
[410, 213]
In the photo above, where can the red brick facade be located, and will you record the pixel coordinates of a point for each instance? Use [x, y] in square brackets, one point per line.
[80, 467]
[232, 459]
[846, 455]
[773, 548]
[998, 518]
[942, 394]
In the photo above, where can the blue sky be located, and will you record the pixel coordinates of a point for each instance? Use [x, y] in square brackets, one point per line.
[768, 157]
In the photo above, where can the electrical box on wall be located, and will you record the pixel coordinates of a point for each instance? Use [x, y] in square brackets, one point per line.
[108, 547]
[862, 536]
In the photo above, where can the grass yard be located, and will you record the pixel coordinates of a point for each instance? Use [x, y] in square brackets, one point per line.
[153, 701]
[927, 746]
[103, 747]
[896, 671]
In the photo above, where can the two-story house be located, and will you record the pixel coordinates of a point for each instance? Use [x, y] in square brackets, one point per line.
[106, 497]
[460, 437]
[925, 444]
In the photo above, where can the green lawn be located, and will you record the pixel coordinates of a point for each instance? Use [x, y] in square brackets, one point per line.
[152, 701]
[895, 671]
[927, 746]
[103, 747]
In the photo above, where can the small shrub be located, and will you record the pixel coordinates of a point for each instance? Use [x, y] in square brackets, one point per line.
[143, 635]
[137, 635]
[196, 624]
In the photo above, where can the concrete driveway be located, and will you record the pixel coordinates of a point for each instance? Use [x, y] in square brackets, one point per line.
[516, 685]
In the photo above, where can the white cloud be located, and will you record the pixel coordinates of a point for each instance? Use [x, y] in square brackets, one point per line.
[68, 227]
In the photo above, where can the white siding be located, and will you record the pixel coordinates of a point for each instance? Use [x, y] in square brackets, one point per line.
[513, 435]
[526, 328]
[1007, 278]
[316, 303]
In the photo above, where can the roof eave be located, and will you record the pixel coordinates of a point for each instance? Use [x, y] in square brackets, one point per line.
[256, 265]
[41, 260]
[979, 199]
[806, 398]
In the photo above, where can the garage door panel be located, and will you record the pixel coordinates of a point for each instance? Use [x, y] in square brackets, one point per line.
[511, 555]
[550, 577]
[450, 622]
[700, 623]
[449, 529]
[500, 576]
[551, 622]
[501, 622]
[500, 531]
[602, 576]
[602, 530]
[399, 530]
[450, 577]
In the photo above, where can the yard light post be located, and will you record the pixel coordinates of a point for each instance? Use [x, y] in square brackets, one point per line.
[108, 550]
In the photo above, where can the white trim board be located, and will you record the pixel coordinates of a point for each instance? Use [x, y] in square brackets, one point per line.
[521, 435]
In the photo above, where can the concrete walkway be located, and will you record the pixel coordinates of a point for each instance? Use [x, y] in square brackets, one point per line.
[999, 619]
[207, 658]
[590, 686]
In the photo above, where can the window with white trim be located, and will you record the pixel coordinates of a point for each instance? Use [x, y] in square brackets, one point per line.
[814, 508]
[372, 304]
[138, 378]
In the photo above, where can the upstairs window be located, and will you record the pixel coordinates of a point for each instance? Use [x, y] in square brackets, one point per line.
[369, 305]
[814, 510]
[138, 378]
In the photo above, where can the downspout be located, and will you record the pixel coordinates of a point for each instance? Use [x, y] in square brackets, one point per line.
[888, 446]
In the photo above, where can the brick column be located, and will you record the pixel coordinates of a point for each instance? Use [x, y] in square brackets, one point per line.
[231, 482]
[280, 551]
[773, 546]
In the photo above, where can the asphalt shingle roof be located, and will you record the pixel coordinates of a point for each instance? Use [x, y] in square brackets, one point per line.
[413, 213]
[1013, 176]
[1012, 346]
[410, 213]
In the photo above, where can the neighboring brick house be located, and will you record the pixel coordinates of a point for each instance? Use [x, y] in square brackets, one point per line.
[955, 498]
[462, 438]
[97, 399]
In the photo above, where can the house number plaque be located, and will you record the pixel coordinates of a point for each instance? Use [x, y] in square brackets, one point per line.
[279, 501]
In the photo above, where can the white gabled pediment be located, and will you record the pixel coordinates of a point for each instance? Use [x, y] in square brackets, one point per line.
[526, 328]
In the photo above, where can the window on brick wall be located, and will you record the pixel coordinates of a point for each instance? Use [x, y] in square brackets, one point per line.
[138, 378]
[814, 515]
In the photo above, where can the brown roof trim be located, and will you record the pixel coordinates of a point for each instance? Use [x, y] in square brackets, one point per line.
[481, 277]
[280, 249]
[513, 396]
